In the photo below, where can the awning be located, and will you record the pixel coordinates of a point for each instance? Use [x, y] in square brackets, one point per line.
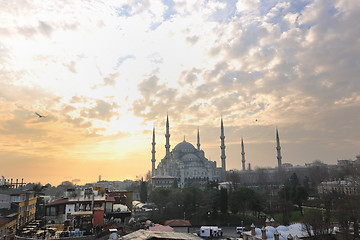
[82, 213]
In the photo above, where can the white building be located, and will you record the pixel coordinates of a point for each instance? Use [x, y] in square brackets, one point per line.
[292, 232]
[348, 186]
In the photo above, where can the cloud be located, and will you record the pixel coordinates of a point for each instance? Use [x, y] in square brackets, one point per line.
[103, 110]
[247, 5]
[110, 70]
[111, 79]
[79, 122]
[45, 28]
[71, 66]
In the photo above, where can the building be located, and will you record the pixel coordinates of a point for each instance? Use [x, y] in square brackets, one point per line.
[179, 225]
[87, 203]
[17, 208]
[185, 164]
[20, 201]
[164, 181]
[292, 232]
[27, 208]
[8, 226]
[347, 186]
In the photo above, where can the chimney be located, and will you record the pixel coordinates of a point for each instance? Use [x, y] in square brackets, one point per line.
[263, 233]
[290, 237]
[267, 222]
[276, 235]
[272, 222]
[253, 229]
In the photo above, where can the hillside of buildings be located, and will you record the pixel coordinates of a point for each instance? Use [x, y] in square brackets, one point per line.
[322, 196]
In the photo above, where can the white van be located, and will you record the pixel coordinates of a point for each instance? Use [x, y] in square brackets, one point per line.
[240, 229]
[210, 231]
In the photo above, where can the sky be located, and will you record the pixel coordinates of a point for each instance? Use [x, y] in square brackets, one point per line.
[104, 73]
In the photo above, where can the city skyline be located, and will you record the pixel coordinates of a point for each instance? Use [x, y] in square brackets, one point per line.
[84, 83]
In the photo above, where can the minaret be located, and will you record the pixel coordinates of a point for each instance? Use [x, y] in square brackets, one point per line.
[242, 154]
[222, 147]
[167, 136]
[153, 160]
[278, 149]
[198, 140]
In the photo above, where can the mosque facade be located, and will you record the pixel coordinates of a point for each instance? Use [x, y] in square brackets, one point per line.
[185, 164]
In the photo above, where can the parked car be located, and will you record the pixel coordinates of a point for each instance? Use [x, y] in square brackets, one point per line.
[240, 230]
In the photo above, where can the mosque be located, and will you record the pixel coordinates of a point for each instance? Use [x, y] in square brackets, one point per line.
[185, 164]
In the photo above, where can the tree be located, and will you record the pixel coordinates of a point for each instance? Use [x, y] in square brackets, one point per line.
[234, 178]
[143, 191]
[243, 199]
[192, 197]
[346, 212]
[318, 174]
[160, 196]
[175, 183]
[223, 200]
[314, 224]
[294, 181]
[306, 183]
[211, 202]
[285, 203]
[293, 192]
[301, 195]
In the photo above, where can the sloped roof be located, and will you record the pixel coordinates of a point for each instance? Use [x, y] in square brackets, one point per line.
[161, 228]
[178, 223]
[110, 199]
[59, 201]
[146, 234]
[296, 229]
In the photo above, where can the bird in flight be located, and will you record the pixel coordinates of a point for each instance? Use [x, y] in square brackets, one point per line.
[40, 116]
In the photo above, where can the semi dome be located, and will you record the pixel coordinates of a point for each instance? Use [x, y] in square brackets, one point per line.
[190, 158]
[184, 147]
[270, 229]
[282, 228]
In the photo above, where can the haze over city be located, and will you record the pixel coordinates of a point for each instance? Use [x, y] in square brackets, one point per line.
[105, 73]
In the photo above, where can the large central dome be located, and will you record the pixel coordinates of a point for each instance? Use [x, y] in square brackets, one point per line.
[184, 147]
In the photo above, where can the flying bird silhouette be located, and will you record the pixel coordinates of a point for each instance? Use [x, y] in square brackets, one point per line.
[40, 116]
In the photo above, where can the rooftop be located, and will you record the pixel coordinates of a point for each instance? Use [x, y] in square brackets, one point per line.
[296, 229]
[146, 234]
[178, 223]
